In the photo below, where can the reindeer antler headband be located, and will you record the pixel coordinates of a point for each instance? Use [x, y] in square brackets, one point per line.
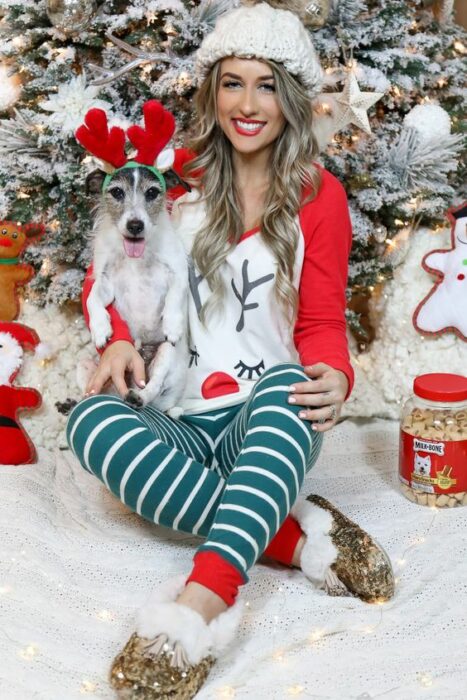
[109, 146]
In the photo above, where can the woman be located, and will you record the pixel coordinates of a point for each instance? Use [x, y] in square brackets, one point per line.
[269, 236]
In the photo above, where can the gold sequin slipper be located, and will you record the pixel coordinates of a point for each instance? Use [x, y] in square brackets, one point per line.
[339, 556]
[173, 649]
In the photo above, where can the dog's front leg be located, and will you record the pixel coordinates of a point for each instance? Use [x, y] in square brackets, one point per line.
[174, 315]
[158, 371]
[101, 295]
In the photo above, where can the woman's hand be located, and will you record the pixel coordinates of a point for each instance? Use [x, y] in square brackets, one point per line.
[322, 396]
[115, 361]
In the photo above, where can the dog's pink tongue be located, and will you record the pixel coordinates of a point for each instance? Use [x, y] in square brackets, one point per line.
[134, 249]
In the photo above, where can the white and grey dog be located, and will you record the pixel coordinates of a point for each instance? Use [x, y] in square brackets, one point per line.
[140, 266]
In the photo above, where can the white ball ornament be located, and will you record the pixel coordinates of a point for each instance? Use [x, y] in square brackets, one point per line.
[429, 120]
[10, 87]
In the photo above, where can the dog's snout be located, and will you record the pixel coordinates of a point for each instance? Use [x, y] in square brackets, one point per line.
[135, 226]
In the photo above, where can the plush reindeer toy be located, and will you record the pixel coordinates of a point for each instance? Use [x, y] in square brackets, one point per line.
[139, 263]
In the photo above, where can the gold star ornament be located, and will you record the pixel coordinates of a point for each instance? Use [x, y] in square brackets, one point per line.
[353, 105]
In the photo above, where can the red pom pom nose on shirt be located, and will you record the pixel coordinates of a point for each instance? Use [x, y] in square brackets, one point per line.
[219, 384]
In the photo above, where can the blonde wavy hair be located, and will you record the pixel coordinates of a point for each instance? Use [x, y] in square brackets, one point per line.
[291, 169]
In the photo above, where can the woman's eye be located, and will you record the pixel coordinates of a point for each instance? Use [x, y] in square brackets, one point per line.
[151, 194]
[117, 193]
[231, 84]
[268, 87]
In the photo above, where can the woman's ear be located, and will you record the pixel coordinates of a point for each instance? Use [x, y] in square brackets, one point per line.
[172, 180]
[94, 182]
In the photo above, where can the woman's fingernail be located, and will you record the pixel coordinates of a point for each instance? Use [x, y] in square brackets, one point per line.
[302, 414]
[291, 388]
[142, 383]
[92, 391]
[314, 427]
[292, 399]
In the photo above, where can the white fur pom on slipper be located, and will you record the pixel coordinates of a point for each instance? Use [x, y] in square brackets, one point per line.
[161, 615]
[319, 551]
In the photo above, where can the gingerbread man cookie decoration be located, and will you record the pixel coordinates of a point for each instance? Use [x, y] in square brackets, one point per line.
[13, 240]
[444, 309]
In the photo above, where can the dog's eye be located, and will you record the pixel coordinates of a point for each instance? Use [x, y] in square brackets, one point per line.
[117, 193]
[152, 193]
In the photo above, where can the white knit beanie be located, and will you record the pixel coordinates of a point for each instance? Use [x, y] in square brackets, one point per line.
[262, 32]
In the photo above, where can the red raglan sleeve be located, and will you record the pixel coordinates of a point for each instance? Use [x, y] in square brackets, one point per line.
[119, 326]
[320, 330]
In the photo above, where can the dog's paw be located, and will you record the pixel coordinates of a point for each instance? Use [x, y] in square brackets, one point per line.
[134, 399]
[174, 330]
[175, 412]
[101, 331]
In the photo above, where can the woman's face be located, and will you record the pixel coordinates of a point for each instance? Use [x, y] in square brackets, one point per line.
[248, 110]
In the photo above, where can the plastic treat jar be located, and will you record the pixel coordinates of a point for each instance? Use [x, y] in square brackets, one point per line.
[433, 442]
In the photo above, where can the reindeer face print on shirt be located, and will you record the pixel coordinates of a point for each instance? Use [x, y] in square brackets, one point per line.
[247, 335]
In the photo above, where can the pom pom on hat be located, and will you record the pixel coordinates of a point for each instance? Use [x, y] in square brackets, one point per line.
[263, 32]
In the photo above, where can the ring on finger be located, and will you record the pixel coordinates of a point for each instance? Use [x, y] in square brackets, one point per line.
[333, 415]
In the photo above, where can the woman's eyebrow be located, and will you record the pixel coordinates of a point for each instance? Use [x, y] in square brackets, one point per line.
[239, 77]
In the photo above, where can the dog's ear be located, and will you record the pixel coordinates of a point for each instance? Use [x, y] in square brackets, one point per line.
[94, 182]
[172, 180]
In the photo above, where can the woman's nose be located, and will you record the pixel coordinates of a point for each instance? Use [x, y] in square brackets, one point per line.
[248, 102]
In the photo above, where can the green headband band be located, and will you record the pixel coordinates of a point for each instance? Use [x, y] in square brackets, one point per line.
[133, 164]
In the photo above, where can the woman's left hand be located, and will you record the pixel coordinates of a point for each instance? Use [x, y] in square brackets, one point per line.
[322, 397]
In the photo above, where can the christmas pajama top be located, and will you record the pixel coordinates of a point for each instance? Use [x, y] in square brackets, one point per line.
[250, 335]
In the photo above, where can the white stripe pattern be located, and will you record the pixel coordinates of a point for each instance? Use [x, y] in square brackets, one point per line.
[190, 498]
[94, 433]
[133, 464]
[277, 455]
[238, 531]
[283, 435]
[212, 500]
[258, 494]
[172, 488]
[285, 412]
[89, 410]
[268, 475]
[152, 479]
[251, 514]
[114, 449]
[232, 552]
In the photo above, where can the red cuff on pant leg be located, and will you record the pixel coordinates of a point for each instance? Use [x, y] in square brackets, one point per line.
[283, 545]
[220, 576]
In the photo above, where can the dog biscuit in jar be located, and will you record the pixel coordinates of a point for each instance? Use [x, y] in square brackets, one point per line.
[433, 442]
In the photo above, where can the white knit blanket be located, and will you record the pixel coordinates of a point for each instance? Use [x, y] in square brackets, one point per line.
[75, 564]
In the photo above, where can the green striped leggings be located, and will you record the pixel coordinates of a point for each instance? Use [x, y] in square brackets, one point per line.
[230, 475]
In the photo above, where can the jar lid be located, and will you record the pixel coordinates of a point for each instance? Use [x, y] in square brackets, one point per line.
[441, 387]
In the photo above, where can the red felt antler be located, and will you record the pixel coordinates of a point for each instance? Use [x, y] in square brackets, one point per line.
[94, 135]
[159, 127]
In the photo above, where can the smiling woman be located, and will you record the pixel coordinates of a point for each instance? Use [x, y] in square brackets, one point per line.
[267, 231]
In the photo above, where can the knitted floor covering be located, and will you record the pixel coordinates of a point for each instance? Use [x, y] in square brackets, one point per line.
[75, 564]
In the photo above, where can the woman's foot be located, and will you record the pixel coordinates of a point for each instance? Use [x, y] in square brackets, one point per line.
[180, 632]
[201, 599]
[337, 555]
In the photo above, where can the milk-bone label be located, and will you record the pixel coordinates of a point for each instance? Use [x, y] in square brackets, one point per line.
[433, 466]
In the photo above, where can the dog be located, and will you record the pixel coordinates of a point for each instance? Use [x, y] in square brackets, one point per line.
[140, 266]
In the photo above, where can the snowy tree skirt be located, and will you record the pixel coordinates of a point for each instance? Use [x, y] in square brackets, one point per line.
[385, 374]
[69, 342]
[76, 564]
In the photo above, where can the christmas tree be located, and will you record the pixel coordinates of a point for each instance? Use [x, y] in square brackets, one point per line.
[397, 159]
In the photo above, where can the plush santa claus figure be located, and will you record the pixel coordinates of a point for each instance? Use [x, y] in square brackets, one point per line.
[15, 445]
